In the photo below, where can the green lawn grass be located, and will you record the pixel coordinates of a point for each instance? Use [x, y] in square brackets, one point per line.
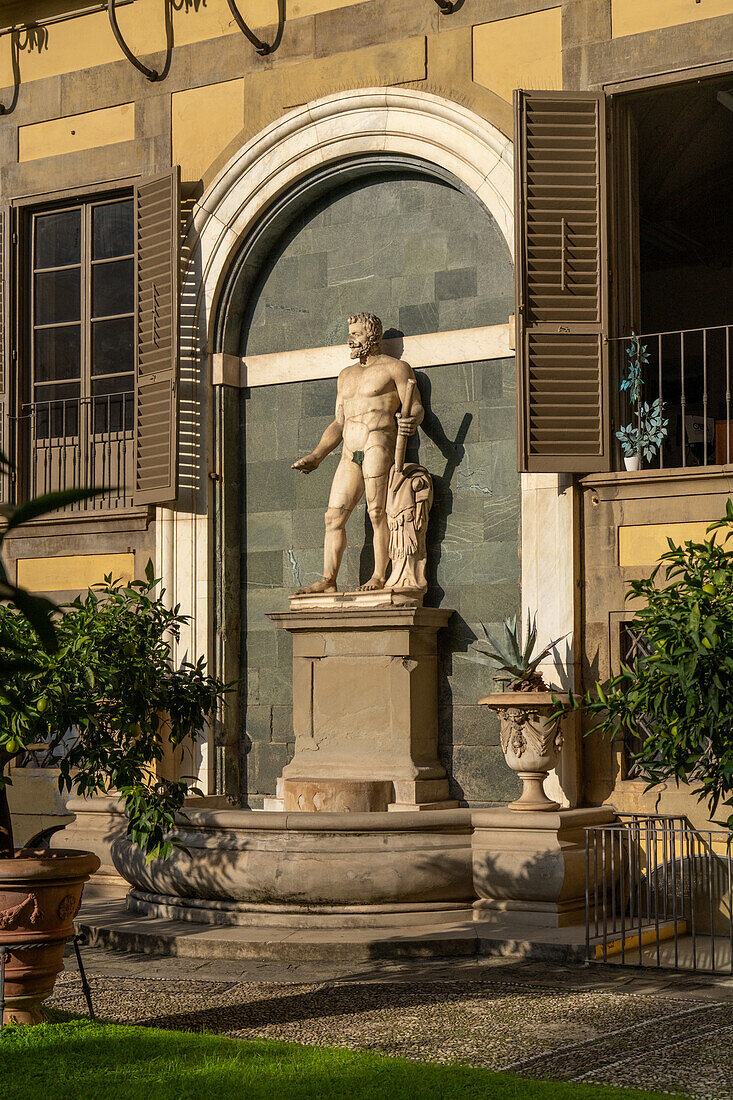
[80, 1060]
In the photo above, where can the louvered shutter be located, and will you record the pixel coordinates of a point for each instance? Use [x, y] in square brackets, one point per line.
[5, 267]
[561, 271]
[5, 341]
[157, 239]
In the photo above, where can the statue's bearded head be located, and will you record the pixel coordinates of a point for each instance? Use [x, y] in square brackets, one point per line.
[365, 335]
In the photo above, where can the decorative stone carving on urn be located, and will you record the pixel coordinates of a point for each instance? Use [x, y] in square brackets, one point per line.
[531, 739]
[377, 408]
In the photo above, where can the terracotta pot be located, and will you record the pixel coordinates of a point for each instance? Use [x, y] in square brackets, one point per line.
[531, 741]
[40, 894]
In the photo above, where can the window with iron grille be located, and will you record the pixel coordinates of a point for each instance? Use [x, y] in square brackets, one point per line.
[78, 415]
[622, 233]
[634, 645]
[89, 301]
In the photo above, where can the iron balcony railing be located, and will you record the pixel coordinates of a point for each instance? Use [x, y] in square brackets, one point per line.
[659, 893]
[78, 443]
[690, 371]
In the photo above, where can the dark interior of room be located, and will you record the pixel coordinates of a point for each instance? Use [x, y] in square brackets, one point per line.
[685, 173]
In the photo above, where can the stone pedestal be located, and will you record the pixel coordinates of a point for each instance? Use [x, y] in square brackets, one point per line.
[365, 706]
[532, 864]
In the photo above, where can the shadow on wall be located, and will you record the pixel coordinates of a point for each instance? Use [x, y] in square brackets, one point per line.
[459, 631]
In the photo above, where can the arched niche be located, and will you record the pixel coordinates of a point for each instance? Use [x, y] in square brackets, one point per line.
[296, 162]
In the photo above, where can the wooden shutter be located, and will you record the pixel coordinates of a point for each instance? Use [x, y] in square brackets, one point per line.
[561, 273]
[157, 241]
[6, 267]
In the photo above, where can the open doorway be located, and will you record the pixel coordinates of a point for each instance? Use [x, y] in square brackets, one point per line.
[674, 180]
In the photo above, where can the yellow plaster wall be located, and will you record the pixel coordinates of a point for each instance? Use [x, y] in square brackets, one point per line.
[644, 544]
[74, 132]
[204, 121]
[88, 41]
[636, 16]
[84, 42]
[394, 63]
[522, 52]
[69, 573]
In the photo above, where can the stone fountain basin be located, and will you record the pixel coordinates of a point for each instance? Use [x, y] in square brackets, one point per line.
[306, 869]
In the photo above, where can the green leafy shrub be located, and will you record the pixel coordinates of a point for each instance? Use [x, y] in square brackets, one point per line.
[109, 679]
[677, 700]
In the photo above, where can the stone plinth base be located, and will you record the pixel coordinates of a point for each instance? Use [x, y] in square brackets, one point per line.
[532, 864]
[365, 704]
[336, 795]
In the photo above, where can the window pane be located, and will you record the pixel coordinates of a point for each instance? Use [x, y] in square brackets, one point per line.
[112, 346]
[123, 383]
[58, 239]
[113, 408]
[57, 353]
[57, 296]
[112, 288]
[112, 230]
[56, 411]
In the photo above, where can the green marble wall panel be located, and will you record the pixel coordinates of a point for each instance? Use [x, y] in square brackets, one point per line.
[418, 253]
[467, 442]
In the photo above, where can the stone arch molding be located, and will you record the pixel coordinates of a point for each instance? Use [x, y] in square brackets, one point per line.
[398, 121]
[395, 121]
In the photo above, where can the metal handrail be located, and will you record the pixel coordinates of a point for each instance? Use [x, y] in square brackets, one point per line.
[71, 442]
[653, 879]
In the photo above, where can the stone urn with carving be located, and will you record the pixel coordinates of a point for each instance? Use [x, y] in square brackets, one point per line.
[40, 894]
[530, 714]
[531, 739]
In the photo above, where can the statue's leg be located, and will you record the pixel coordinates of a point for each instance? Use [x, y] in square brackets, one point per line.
[377, 464]
[346, 490]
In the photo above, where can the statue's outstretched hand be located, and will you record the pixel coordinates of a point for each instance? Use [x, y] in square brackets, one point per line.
[306, 464]
[406, 425]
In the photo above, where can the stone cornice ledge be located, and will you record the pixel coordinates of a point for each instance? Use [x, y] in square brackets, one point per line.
[433, 349]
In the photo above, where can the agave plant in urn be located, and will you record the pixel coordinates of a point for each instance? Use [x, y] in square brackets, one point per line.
[529, 711]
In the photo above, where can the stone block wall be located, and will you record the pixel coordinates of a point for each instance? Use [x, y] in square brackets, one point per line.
[421, 255]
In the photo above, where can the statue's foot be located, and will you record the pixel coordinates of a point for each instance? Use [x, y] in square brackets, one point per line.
[323, 585]
[373, 584]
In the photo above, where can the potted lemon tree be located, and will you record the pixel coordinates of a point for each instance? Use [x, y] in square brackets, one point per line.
[94, 681]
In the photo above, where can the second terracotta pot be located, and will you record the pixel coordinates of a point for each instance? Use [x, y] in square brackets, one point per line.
[40, 894]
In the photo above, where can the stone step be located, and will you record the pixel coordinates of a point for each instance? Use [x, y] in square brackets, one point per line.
[107, 923]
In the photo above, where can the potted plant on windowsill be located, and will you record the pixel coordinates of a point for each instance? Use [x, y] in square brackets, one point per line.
[102, 668]
[648, 429]
[530, 734]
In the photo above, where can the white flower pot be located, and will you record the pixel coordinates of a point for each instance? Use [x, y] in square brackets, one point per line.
[632, 462]
[531, 740]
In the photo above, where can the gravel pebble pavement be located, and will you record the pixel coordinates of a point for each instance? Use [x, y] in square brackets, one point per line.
[565, 1024]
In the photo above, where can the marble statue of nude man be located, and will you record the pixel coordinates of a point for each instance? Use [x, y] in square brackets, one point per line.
[370, 394]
